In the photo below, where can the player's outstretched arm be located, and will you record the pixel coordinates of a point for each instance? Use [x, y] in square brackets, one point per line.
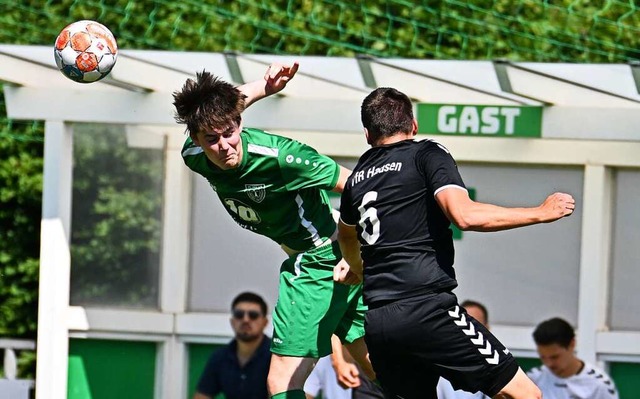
[274, 80]
[467, 214]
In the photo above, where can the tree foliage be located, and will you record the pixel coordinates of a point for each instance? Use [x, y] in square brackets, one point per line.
[20, 210]
[523, 30]
[115, 243]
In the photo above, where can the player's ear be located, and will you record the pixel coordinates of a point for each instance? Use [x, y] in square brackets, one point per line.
[194, 138]
[414, 127]
[366, 134]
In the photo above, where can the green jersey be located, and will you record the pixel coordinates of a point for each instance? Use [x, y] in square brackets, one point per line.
[278, 190]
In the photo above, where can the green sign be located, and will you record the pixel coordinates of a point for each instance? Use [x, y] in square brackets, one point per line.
[479, 120]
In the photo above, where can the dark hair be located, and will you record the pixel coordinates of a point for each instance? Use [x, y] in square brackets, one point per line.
[207, 102]
[478, 305]
[252, 298]
[554, 331]
[386, 112]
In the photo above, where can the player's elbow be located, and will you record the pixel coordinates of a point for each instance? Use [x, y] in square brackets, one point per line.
[469, 218]
[462, 221]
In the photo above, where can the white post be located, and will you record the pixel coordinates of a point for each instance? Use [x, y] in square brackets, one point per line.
[55, 262]
[594, 259]
[171, 369]
[175, 263]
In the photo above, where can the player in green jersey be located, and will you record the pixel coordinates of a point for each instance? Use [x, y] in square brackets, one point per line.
[275, 186]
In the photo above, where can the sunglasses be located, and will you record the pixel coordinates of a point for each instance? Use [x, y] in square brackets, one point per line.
[252, 314]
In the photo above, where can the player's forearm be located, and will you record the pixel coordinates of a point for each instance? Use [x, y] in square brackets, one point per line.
[486, 217]
[337, 356]
[254, 91]
[477, 216]
[350, 248]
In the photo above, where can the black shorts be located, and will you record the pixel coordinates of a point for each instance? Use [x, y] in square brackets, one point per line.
[415, 341]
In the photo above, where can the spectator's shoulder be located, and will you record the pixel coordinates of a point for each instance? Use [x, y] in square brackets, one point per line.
[600, 380]
[535, 373]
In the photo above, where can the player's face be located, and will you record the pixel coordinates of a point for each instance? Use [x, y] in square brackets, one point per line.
[222, 146]
[558, 359]
[247, 321]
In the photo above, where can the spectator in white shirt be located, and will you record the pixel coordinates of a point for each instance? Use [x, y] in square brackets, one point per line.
[563, 375]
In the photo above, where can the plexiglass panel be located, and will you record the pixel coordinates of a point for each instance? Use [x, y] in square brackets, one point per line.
[116, 217]
[625, 254]
[225, 258]
[529, 274]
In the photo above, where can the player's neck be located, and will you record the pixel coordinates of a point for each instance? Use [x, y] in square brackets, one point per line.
[396, 138]
[576, 367]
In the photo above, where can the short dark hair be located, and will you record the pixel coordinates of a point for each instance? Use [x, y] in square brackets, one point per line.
[478, 305]
[252, 298]
[554, 331]
[207, 102]
[386, 112]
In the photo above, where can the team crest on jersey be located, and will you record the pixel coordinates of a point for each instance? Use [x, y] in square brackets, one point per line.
[256, 192]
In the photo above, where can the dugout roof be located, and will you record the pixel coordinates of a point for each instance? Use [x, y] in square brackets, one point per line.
[588, 101]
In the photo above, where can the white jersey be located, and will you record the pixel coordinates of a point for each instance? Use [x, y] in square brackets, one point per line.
[446, 391]
[323, 378]
[590, 383]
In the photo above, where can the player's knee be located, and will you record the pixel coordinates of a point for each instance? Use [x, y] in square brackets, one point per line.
[273, 383]
[287, 373]
[279, 379]
[536, 393]
[520, 387]
[532, 390]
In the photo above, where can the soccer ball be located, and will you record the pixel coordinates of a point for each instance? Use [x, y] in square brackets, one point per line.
[85, 51]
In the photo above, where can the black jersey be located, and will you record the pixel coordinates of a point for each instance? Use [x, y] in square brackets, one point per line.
[406, 240]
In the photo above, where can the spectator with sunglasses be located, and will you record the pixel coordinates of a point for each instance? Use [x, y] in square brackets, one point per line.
[239, 370]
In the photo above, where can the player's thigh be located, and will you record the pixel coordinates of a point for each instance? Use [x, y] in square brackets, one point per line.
[467, 354]
[401, 369]
[310, 304]
[405, 376]
[446, 341]
[288, 373]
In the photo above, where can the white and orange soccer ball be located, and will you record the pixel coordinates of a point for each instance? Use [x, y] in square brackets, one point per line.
[85, 51]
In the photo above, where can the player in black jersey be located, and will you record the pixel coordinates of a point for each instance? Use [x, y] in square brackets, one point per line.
[396, 210]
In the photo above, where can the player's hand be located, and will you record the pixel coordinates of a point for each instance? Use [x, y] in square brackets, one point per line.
[347, 374]
[558, 205]
[342, 274]
[278, 75]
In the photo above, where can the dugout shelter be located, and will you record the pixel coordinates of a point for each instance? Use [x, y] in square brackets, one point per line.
[139, 261]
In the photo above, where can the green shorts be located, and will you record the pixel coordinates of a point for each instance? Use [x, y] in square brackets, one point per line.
[311, 306]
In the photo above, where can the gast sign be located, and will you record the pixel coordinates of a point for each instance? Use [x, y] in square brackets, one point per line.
[480, 120]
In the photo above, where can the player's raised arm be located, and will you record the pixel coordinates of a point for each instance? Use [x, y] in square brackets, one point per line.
[467, 214]
[274, 80]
